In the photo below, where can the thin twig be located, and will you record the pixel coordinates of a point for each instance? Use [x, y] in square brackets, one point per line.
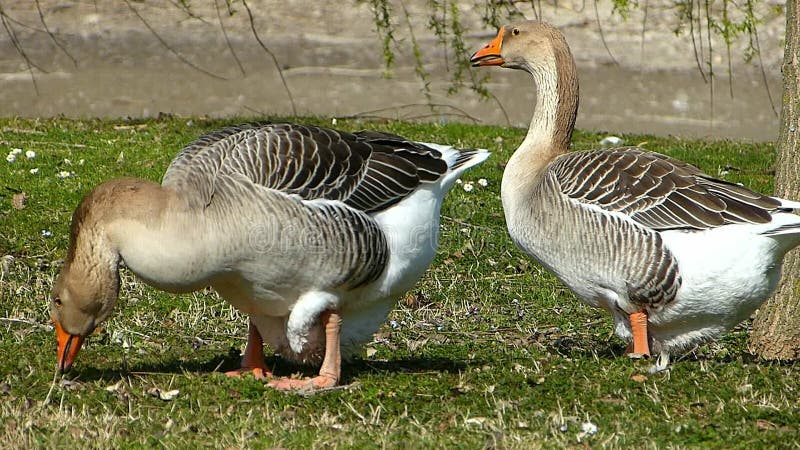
[536, 14]
[726, 37]
[26, 322]
[602, 36]
[410, 105]
[644, 28]
[502, 108]
[168, 47]
[227, 40]
[52, 387]
[52, 36]
[61, 144]
[710, 59]
[188, 11]
[419, 67]
[694, 42]
[761, 64]
[15, 42]
[272, 55]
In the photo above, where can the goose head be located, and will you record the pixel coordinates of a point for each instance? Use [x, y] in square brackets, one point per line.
[81, 299]
[531, 46]
[86, 290]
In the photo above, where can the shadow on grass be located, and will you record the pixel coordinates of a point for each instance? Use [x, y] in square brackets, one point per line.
[279, 366]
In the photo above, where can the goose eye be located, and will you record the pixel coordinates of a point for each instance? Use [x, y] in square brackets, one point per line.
[57, 302]
[515, 31]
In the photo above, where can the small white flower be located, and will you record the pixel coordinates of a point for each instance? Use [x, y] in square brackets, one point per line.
[483, 182]
[34, 171]
[333, 121]
[30, 154]
[468, 187]
[81, 162]
[11, 157]
[67, 162]
[458, 181]
[64, 174]
[47, 233]
[16, 151]
[588, 427]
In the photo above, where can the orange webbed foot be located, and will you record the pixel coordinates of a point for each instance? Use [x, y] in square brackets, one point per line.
[259, 373]
[303, 384]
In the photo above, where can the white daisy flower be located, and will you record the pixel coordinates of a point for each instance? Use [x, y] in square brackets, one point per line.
[483, 182]
[16, 151]
[30, 154]
[81, 162]
[11, 157]
[47, 233]
[588, 427]
[67, 162]
[34, 171]
[458, 181]
[64, 174]
[468, 187]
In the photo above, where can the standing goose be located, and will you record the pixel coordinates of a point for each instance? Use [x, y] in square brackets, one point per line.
[677, 257]
[312, 232]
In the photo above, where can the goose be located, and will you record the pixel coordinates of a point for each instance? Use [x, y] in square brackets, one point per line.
[675, 256]
[311, 232]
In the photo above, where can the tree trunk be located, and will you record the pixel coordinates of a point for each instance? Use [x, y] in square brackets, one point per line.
[776, 331]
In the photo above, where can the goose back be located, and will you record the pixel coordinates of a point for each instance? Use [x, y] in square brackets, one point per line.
[368, 170]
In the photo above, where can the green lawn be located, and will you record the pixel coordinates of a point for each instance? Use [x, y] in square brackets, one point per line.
[488, 350]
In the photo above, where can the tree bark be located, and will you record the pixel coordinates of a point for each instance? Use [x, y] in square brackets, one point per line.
[776, 331]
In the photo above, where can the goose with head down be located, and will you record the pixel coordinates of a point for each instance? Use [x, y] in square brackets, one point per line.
[676, 256]
[311, 232]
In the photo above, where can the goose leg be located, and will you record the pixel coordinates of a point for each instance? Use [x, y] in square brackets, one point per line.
[253, 359]
[332, 364]
[641, 347]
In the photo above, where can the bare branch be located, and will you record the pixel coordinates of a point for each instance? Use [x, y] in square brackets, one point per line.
[726, 36]
[690, 14]
[419, 68]
[52, 36]
[761, 63]
[602, 36]
[189, 13]
[375, 113]
[644, 28]
[710, 59]
[272, 55]
[227, 41]
[167, 46]
[15, 42]
[502, 108]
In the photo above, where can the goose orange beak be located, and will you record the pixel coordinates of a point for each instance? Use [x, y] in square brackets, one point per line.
[68, 347]
[490, 54]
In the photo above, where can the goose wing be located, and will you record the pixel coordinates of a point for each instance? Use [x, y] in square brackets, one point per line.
[368, 171]
[657, 191]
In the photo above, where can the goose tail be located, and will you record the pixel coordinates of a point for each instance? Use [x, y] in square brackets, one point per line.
[458, 160]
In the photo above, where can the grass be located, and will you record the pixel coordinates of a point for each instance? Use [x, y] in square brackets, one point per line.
[488, 350]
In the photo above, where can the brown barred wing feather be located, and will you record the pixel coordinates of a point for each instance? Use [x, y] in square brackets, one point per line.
[657, 191]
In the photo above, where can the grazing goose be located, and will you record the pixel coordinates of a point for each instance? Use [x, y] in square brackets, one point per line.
[310, 231]
[676, 256]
